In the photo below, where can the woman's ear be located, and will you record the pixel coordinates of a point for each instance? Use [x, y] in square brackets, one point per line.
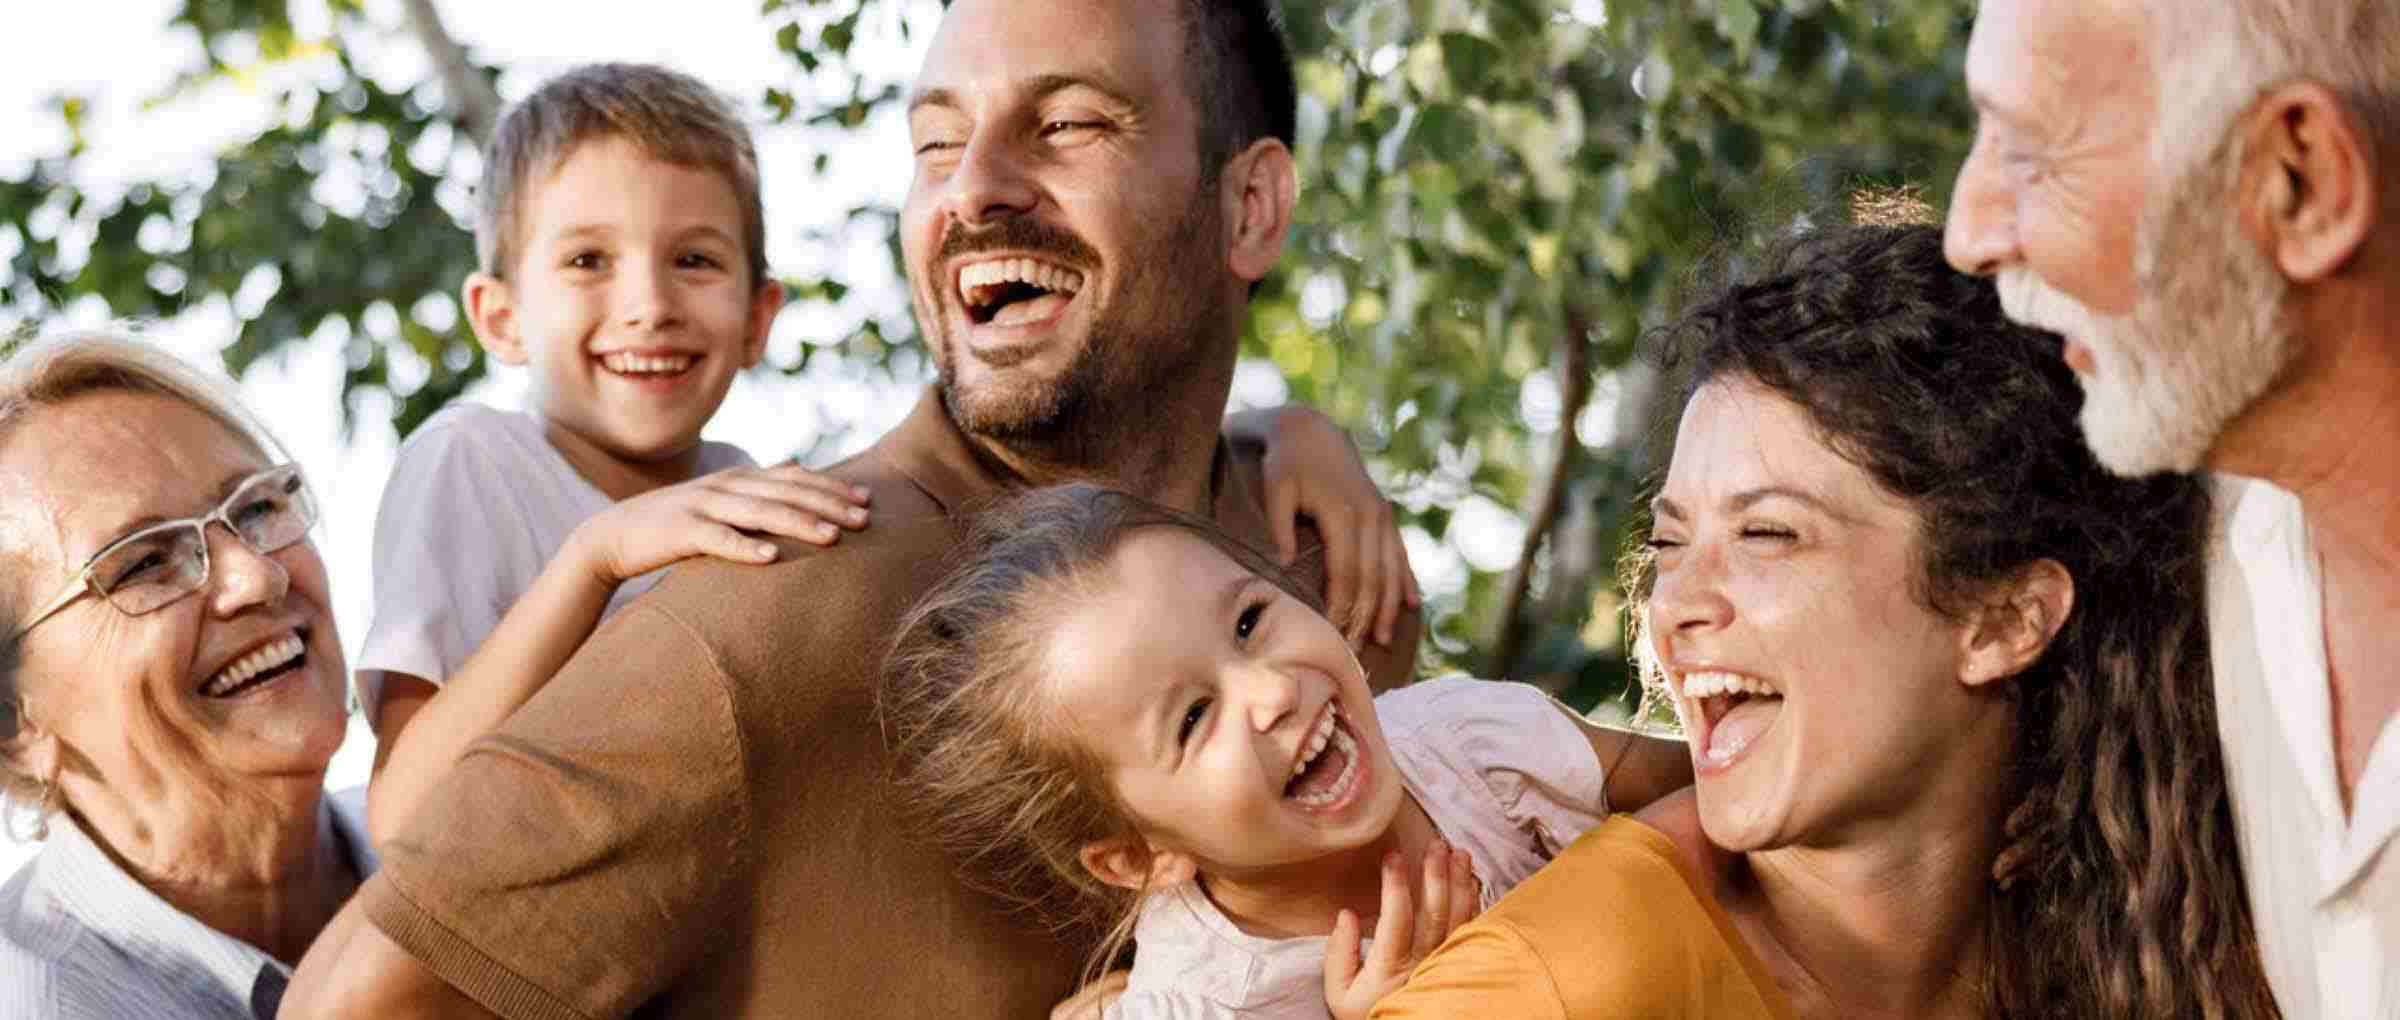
[2010, 630]
[1130, 862]
[32, 751]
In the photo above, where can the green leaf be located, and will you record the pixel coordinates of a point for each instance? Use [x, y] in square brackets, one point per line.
[1471, 60]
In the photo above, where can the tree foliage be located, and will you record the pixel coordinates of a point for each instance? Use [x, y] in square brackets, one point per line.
[1498, 198]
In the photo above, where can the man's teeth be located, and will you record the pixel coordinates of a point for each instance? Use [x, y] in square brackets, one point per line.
[642, 364]
[1713, 684]
[1317, 740]
[275, 654]
[975, 279]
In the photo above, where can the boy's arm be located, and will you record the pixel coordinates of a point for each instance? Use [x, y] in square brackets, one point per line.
[1310, 468]
[707, 516]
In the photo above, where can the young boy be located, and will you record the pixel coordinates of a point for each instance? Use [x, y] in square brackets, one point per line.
[622, 250]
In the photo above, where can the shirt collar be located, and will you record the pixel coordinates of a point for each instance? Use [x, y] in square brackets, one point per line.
[2271, 550]
[77, 878]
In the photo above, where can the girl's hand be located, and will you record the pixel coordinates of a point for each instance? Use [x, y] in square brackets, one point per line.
[1311, 468]
[1405, 932]
[707, 515]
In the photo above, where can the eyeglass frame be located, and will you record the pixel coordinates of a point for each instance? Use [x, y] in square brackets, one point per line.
[83, 584]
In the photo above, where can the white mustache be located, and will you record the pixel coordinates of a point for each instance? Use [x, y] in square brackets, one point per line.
[2027, 300]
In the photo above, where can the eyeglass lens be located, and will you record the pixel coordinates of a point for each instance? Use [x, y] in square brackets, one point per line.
[153, 568]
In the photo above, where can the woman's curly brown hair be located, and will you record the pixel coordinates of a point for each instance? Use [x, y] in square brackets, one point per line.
[2119, 890]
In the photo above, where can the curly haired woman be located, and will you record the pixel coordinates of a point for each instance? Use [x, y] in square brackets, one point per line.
[1945, 682]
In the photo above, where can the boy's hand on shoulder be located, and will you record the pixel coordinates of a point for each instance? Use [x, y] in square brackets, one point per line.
[1311, 468]
[1408, 929]
[708, 515]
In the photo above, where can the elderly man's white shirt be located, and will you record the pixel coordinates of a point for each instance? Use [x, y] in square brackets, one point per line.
[2325, 888]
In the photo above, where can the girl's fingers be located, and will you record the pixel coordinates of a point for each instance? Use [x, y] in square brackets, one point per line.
[1341, 955]
[1433, 910]
[1465, 899]
[1396, 926]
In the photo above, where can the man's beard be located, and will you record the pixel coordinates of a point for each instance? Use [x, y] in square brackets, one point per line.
[1142, 350]
[2206, 337]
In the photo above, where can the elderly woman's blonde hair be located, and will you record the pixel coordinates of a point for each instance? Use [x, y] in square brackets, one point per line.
[47, 370]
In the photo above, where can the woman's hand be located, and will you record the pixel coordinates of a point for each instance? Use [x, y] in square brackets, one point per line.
[1311, 468]
[707, 515]
[1406, 931]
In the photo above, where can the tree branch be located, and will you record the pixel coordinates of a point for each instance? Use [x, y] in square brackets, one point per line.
[1575, 390]
[474, 104]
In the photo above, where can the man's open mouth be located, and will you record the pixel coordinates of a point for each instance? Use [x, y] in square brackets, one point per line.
[1007, 292]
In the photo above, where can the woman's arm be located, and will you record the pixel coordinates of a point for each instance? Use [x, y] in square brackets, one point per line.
[1484, 970]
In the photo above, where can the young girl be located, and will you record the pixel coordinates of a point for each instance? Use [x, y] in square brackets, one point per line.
[1121, 718]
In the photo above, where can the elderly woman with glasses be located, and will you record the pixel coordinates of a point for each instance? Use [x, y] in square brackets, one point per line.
[171, 689]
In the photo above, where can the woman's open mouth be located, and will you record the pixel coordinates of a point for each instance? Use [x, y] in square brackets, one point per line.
[262, 666]
[1330, 770]
[1734, 711]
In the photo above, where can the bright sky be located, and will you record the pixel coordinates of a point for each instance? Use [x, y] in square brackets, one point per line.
[120, 53]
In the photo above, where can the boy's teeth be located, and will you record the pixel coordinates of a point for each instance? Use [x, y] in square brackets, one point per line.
[638, 364]
[275, 654]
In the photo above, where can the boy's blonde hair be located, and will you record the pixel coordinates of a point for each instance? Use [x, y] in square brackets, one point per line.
[982, 746]
[670, 115]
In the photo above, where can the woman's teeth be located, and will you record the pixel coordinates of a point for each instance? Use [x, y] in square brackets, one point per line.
[275, 655]
[1713, 684]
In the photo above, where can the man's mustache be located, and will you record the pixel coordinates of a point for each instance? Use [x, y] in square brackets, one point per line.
[1020, 234]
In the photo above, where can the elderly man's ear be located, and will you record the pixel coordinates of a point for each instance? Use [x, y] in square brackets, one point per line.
[2309, 184]
[2011, 629]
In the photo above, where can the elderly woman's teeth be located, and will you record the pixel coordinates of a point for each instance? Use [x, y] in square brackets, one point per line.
[1716, 684]
[275, 654]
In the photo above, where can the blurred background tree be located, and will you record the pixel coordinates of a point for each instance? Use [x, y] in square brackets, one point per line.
[1498, 198]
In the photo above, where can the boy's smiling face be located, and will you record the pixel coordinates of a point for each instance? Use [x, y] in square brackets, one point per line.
[631, 298]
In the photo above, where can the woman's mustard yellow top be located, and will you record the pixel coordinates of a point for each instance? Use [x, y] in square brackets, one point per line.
[1617, 926]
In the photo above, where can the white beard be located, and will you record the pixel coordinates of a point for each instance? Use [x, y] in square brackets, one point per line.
[2206, 337]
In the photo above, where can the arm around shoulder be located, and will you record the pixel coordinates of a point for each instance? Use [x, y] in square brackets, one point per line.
[1485, 970]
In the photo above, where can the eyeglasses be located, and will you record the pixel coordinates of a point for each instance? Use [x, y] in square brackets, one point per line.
[152, 567]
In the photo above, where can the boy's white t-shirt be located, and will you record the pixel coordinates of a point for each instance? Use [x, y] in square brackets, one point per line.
[477, 504]
[1499, 767]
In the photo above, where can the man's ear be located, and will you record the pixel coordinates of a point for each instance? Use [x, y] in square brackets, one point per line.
[492, 310]
[1130, 862]
[2012, 628]
[764, 303]
[1260, 187]
[2309, 181]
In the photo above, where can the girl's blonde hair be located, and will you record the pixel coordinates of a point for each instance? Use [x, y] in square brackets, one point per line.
[993, 773]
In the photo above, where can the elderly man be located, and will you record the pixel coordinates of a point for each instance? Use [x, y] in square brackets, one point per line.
[695, 818]
[2199, 197]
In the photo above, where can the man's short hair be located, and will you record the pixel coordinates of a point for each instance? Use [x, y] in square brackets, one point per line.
[2214, 59]
[671, 116]
[1240, 72]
